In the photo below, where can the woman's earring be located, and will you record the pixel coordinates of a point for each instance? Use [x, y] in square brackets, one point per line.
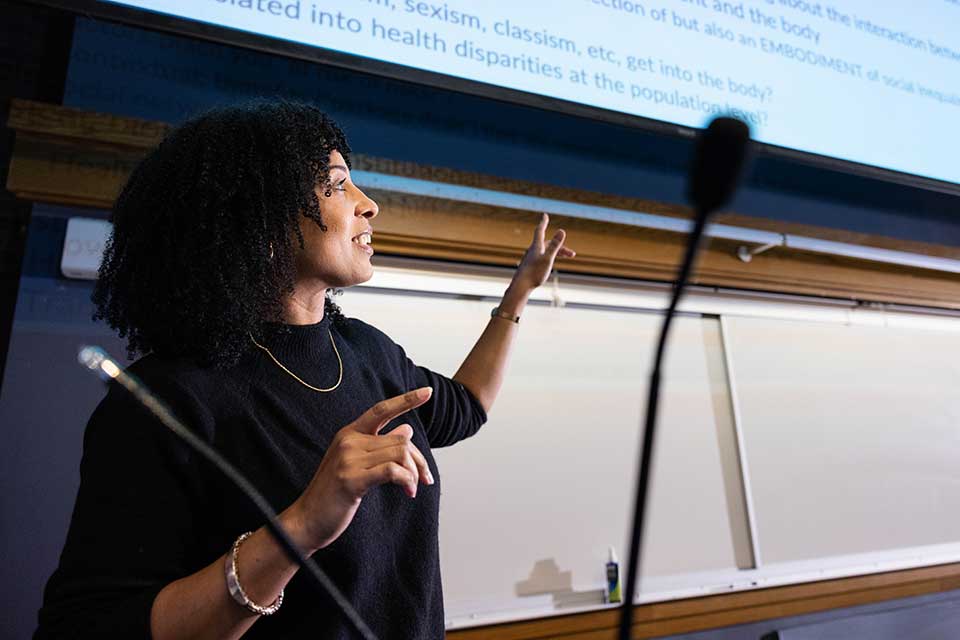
[271, 251]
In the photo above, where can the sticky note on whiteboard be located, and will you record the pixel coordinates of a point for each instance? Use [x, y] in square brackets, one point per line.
[83, 247]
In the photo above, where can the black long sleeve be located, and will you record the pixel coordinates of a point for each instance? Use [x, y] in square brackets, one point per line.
[148, 512]
[132, 524]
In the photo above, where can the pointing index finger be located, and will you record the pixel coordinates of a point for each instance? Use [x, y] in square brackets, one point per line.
[377, 416]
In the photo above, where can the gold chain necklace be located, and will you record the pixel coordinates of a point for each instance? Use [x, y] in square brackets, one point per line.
[295, 376]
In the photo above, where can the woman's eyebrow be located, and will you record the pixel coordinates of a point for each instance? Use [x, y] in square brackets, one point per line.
[338, 166]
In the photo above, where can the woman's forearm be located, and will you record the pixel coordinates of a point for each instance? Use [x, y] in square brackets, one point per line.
[199, 605]
[483, 369]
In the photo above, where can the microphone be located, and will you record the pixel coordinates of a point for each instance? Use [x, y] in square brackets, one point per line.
[720, 155]
[718, 161]
[97, 360]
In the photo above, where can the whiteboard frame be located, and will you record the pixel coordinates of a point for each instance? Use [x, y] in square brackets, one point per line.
[742, 460]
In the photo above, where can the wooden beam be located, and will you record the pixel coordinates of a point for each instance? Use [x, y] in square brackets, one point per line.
[85, 127]
[69, 156]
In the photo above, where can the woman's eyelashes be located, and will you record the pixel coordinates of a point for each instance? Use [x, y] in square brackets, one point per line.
[334, 186]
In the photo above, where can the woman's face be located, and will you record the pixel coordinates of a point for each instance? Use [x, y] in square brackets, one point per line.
[339, 256]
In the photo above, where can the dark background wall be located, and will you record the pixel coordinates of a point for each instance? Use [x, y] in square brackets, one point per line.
[34, 49]
[45, 398]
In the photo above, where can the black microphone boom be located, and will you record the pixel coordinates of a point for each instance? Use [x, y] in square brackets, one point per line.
[718, 161]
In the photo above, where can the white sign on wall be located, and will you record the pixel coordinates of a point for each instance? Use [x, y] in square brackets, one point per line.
[83, 247]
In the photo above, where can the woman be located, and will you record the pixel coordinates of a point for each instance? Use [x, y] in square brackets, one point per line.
[228, 240]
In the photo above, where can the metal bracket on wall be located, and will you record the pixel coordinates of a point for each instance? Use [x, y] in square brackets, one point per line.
[746, 253]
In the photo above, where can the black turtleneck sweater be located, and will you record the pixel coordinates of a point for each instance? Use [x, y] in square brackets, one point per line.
[149, 511]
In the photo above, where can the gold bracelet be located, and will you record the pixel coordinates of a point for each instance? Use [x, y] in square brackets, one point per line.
[237, 592]
[496, 313]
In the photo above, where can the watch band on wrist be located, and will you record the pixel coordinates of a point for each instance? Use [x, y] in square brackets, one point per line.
[496, 313]
[237, 592]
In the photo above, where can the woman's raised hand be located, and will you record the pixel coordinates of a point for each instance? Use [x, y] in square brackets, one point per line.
[359, 459]
[537, 262]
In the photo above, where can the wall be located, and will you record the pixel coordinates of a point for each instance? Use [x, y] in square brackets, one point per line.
[34, 47]
[44, 401]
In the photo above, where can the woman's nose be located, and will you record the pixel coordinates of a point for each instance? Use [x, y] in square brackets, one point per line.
[367, 207]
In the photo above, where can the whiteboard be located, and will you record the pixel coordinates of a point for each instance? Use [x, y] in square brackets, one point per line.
[531, 504]
[852, 435]
[757, 387]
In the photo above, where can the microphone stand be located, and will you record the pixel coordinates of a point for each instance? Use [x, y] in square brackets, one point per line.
[649, 430]
[719, 157]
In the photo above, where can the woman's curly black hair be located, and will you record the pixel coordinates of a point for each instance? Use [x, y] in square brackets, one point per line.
[205, 230]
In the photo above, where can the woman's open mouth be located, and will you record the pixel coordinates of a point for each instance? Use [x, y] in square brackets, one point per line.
[363, 241]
